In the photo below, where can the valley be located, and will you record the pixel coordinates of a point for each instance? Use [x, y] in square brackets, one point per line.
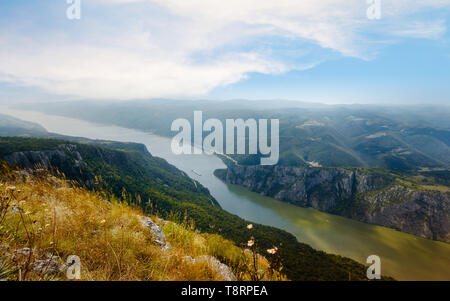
[323, 231]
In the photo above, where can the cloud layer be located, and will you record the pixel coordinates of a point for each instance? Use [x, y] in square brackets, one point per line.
[136, 49]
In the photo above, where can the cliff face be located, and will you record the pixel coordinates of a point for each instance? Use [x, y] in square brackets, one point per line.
[29, 159]
[371, 198]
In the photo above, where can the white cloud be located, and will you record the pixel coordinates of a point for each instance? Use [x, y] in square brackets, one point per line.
[424, 30]
[187, 48]
[96, 72]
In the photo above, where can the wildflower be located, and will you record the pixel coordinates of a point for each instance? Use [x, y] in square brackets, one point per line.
[251, 242]
[272, 251]
[102, 221]
[250, 226]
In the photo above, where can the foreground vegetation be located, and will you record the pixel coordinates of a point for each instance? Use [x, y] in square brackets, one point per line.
[50, 216]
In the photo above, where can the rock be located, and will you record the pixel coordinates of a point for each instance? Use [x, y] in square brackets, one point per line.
[4, 247]
[48, 266]
[189, 258]
[21, 254]
[15, 209]
[224, 271]
[368, 197]
[426, 214]
[30, 159]
[65, 154]
[156, 232]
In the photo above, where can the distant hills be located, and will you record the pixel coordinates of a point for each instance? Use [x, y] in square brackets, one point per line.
[399, 138]
[10, 126]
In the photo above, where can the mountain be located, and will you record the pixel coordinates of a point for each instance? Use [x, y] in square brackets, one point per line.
[129, 172]
[400, 138]
[416, 204]
[10, 126]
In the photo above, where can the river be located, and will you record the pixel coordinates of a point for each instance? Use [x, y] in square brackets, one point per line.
[403, 256]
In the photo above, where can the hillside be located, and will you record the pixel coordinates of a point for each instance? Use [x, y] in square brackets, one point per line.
[10, 126]
[416, 204]
[45, 220]
[161, 189]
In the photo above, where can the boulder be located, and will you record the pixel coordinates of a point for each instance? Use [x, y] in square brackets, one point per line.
[48, 266]
[156, 232]
[224, 271]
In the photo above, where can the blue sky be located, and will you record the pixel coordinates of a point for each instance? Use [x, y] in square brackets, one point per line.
[320, 51]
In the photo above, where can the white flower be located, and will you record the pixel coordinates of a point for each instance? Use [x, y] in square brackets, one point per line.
[272, 251]
[250, 227]
[251, 242]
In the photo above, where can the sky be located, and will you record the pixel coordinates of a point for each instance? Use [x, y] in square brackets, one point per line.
[328, 51]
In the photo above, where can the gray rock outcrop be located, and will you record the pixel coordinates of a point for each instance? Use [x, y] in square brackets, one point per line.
[224, 271]
[371, 198]
[156, 232]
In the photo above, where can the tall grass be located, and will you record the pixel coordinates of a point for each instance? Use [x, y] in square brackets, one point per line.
[51, 216]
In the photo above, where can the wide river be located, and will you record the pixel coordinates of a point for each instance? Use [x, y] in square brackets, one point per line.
[403, 256]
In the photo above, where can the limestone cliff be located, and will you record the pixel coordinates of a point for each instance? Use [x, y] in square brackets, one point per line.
[369, 197]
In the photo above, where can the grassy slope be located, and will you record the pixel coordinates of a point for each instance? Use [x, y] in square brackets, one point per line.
[57, 218]
[176, 196]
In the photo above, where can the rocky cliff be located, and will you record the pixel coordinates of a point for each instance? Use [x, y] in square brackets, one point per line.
[374, 197]
[46, 159]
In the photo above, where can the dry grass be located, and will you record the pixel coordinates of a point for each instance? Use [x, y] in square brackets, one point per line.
[439, 188]
[50, 216]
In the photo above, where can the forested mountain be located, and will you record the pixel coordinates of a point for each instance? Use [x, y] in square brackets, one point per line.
[401, 138]
[10, 126]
